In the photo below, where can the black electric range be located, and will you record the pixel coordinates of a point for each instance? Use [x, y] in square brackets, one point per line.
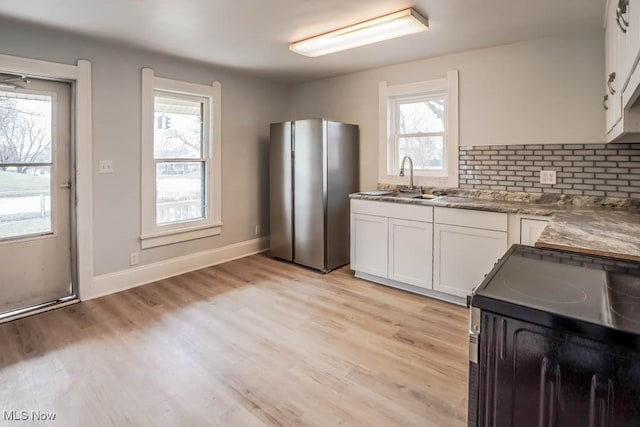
[555, 340]
[593, 296]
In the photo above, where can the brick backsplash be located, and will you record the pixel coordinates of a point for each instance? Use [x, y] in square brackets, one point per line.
[609, 170]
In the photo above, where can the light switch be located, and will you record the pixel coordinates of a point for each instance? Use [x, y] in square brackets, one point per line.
[106, 166]
[547, 177]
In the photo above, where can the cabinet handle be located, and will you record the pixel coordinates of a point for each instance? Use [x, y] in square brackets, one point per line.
[620, 11]
[618, 18]
[612, 77]
[604, 102]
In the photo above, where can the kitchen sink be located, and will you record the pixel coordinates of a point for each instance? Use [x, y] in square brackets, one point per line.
[411, 194]
[377, 193]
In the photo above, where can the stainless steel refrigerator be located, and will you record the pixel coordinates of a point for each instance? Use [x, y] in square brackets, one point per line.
[314, 166]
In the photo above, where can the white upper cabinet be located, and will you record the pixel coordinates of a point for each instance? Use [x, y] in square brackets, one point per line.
[630, 21]
[612, 101]
[622, 77]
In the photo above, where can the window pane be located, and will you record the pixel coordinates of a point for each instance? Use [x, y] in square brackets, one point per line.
[422, 117]
[426, 152]
[179, 192]
[25, 201]
[177, 128]
[25, 128]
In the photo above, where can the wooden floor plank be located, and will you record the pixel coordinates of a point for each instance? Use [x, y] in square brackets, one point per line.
[252, 342]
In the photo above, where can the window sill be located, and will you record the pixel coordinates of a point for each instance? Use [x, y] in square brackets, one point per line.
[177, 236]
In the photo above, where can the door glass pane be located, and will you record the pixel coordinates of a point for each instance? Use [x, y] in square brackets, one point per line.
[25, 127]
[426, 116]
[179, 191]
[427, 152]
[177, 128]
[25, 201]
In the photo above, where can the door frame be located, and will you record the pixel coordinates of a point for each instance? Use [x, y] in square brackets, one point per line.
[81, 132]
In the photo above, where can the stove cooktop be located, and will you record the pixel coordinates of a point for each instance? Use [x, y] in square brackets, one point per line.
[561, 289]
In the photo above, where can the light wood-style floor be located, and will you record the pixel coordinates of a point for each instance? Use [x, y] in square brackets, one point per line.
[248, 343]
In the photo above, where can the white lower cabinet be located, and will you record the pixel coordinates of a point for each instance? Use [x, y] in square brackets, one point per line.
[463, 256]
[425, 249]
[531, 229]
[393, 242]
[410, 252]
[466, 245]
[369, 235]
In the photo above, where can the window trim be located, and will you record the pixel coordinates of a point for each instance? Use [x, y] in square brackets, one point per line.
[152, 234]
[387, 96]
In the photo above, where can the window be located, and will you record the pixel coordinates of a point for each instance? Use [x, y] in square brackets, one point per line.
[26, 163]
[420, 120]
[180, 160]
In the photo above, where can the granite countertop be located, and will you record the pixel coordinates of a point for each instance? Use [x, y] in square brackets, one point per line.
[588, 225]
[612, 233]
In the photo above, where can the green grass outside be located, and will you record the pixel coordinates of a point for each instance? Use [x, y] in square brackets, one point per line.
[12, 181]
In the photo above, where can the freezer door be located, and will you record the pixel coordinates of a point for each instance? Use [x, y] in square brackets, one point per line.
[281, 191]
[309, 193]
[342, 180]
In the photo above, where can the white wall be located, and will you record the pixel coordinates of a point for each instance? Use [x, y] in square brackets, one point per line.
[545, 91]
[249, 105]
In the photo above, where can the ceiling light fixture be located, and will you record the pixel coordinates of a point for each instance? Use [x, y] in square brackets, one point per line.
[386, 27]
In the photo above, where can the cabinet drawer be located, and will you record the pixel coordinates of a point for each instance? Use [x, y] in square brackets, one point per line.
[469, 218]
[392, 210]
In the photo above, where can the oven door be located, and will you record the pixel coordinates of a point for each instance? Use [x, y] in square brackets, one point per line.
[474, 368]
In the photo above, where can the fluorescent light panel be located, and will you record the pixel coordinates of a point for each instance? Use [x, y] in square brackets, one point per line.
[386, 27]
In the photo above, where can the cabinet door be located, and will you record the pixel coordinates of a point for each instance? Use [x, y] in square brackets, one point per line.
[632, 46]
[369, 245]
[463, 255]
[530, 230]
[632, 36]
[613, 78]
[410, 252]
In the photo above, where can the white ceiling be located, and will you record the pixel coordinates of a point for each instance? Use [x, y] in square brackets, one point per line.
[254, 34]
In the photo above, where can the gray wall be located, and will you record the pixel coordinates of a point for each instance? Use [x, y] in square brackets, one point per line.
[545, 91]
[249, 104]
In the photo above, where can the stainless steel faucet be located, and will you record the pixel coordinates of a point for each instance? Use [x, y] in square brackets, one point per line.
[404, 159]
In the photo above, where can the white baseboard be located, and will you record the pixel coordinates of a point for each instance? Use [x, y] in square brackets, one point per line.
[126, 279]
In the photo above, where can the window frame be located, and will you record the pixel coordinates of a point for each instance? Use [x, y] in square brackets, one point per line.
[389, 99]
[153, 234]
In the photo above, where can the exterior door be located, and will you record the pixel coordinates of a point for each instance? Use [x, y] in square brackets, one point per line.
[35, 194]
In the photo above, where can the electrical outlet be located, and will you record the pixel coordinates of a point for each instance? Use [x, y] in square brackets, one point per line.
[257, 229]
[106, 166]
[133, 258]
[547, 177]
